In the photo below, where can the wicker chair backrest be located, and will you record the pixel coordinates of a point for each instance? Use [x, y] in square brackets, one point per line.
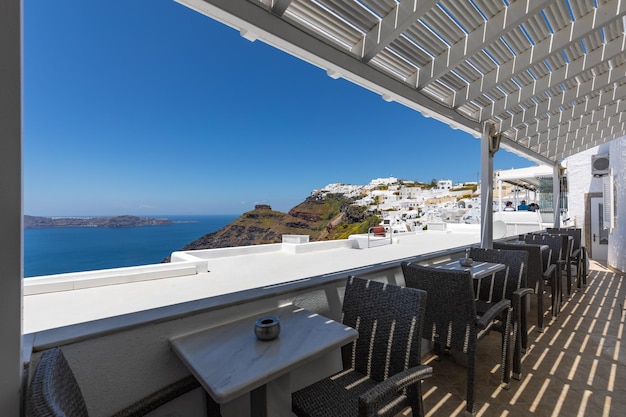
[450, 311]
[53, 389]
[555, 243]
[389, 319]
[508, 281]
[576, 234]
[534, 266]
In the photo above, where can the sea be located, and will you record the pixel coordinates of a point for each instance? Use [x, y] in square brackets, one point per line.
[76, 249]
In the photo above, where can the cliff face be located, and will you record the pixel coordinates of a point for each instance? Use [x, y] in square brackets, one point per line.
[321, 218]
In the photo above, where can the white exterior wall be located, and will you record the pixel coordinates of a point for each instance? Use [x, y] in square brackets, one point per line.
[581, 182]
[444, 184]
[617, 237]
[383, 181]
[410, 193]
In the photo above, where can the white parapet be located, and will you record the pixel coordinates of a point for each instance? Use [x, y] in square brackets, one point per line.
[311, 247]
[437, 226]
[365, 241]
[202, 265]
[295, 238]
[520, 222]
[104, 277]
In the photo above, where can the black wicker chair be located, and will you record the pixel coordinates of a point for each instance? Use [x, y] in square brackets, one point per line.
[553, 261]
[536, 279]
[451, 318]
[381, 370]
[510, 284]
[54, 392]
[578, 257]
[565, 259]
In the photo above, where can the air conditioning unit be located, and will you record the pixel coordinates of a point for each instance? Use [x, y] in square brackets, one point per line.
[600, 165]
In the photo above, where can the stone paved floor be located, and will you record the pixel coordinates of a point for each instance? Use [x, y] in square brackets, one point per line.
[576, 367]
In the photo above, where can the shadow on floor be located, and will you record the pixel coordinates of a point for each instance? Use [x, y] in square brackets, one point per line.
[575, 368]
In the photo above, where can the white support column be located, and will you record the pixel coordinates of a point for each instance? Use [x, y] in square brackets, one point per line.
[556, 194]
[486, 188]
[11, 207]
[499, 195]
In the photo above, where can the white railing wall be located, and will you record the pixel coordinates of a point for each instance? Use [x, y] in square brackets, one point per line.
[119, 360]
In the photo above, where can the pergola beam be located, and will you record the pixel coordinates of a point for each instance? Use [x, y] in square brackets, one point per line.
[401, 17]
[517, 148]
[280, 6]
[596, 134]
[574, 116]
[576, 133]
[549, 132]
[592, 89]
[488, 33]
[536, 120]
[567, 72]
[243, 15]
[604, 15]
[608, 136]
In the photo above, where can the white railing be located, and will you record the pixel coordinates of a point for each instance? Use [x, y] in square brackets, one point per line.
[121, 359]
[91, 279]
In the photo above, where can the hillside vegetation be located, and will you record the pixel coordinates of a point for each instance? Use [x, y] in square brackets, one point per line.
[332, 217]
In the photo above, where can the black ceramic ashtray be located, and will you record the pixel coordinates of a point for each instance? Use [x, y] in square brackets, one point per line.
[267, 328]
[466, 262]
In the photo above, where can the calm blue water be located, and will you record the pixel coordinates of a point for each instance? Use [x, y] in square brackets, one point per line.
[61, 250]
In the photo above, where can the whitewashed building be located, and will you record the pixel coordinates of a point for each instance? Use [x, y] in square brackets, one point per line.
[444, 184]
[597, 200]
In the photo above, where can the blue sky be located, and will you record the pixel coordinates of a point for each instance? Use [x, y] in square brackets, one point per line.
[146, 107]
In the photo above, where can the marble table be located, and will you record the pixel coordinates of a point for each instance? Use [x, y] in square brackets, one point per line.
[542, 247]
[246, 375]
[478, 271]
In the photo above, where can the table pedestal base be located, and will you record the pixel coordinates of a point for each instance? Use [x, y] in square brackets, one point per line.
[269, 400]
[272, 399]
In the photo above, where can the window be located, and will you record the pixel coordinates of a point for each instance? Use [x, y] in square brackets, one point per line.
[608, 195]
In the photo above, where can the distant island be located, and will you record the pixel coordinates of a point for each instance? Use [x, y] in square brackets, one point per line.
[37, 222]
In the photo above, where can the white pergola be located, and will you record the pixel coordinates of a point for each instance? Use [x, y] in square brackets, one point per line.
[549, 76]
[544, 79]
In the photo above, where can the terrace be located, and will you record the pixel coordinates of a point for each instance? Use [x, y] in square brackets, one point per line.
[575, 367]
[544, 79]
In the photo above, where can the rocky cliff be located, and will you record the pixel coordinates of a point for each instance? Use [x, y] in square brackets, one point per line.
[331, 217]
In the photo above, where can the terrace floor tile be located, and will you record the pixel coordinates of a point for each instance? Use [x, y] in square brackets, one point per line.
[576, 367]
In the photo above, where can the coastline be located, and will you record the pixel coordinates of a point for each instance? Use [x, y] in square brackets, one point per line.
[57, 250]
[39, 222]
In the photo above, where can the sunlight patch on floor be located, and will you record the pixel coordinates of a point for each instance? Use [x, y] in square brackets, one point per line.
[575, 368]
